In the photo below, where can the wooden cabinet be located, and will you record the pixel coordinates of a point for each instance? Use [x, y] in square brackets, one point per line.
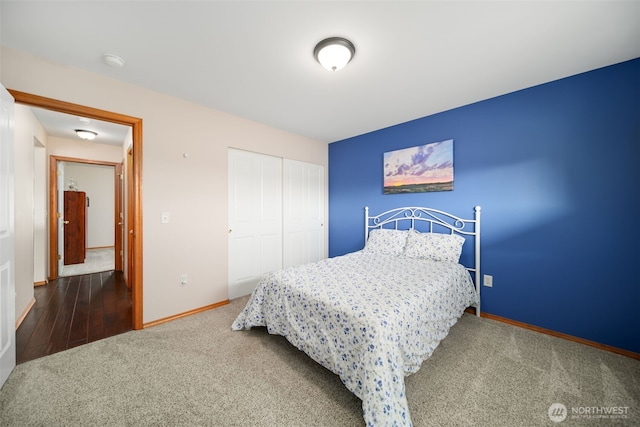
[75, 224]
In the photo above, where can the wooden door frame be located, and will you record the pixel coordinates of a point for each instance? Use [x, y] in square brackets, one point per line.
[118, 217]
[136, 179]
[53, 207]
[131, 273]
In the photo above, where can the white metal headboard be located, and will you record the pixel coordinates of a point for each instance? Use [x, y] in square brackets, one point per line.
[427, 220]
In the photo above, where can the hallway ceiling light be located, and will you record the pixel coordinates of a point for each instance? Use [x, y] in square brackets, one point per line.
[113, 60]
[334, 53]
[86, 134]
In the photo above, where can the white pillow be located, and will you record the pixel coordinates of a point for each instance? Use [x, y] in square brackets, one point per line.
[434, 246]
[386, 241]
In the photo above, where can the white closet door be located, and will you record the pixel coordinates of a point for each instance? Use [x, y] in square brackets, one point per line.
[7, 238]
[255, 219]
[303, 215]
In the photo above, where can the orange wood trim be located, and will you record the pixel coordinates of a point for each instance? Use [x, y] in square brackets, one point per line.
[118, 221]
[187, 313]
[567, 337]
[136, 125]
[53, 219]
[70, 108]
[44, 282]
[129, 218]
[25, 312]
[137, 224]
[86, 161]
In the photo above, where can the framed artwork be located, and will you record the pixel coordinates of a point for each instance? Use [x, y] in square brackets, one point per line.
[419, 169]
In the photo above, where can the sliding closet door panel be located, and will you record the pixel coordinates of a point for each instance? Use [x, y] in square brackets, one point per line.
[303, 216]
[255, 219]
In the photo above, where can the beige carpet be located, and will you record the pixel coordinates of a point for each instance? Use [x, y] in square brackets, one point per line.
[195, 371]
[96, 261]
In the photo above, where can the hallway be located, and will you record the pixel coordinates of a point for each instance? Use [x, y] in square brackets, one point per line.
[97, 260]
[71, 311]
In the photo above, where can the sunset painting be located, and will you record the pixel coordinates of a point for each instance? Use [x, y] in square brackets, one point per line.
[419, 169]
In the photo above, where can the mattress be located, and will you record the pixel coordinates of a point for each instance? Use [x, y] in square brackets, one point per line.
[370, 318]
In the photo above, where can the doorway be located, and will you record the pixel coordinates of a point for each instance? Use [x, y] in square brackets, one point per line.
[101, 246]
[134, 228]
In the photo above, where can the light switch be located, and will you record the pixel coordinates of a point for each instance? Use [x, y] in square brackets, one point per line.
[165, 217]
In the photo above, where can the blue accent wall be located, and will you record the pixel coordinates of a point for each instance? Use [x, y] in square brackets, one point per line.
[556, 170]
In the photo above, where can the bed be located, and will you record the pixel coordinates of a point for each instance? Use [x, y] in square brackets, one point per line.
[373, 316]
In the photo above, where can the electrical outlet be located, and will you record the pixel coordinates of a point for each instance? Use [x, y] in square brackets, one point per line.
[488, 281]
[183, 280]
[164, 218]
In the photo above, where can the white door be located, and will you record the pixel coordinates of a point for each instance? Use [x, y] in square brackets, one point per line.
[255, 219]
[7, 244]
[303, 213]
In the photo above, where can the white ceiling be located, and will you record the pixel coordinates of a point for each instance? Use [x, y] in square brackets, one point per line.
[64, 125]
[254, 58]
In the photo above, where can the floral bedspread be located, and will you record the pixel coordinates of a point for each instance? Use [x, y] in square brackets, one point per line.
[371, 319]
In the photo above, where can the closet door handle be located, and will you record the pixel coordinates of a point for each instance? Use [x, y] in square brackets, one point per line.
[65, 222]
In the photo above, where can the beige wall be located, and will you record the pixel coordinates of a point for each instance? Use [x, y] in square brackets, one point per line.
[40, 217]
[87, 150]
[26, 131]
[192, 189]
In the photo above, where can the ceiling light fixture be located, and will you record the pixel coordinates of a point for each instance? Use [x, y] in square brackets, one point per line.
[113, 60]
[334, 53]
[86, 134]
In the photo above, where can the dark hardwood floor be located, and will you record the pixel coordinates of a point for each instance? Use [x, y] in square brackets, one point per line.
[71, 311]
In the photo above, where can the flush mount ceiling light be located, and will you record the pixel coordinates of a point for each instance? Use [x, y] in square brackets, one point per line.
[86, 134]
[334, 53]
[113, 60]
